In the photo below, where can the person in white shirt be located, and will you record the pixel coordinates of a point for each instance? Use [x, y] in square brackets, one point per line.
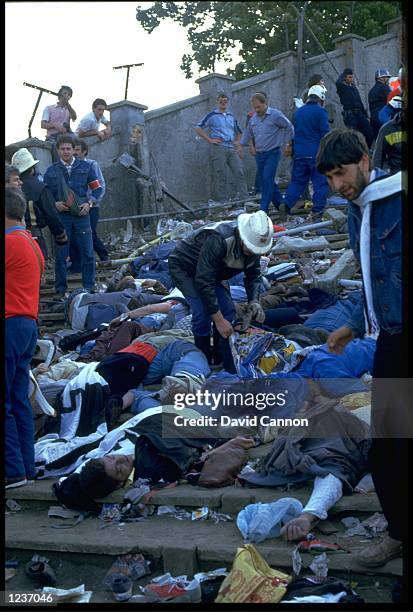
[90, 124]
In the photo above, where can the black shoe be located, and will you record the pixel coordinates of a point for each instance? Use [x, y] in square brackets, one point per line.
[39, 569]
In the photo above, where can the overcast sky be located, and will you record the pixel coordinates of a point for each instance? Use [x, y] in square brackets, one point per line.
[77, 44]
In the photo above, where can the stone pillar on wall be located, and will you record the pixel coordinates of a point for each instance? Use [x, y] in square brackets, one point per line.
[353, 46]
[287, 62]
[398, 26]
[127, 118]
[215, 83]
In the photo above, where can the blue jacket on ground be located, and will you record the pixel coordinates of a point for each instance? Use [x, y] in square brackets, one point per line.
[329, 369]
[82, 177]
[385, 260]
[310, 124]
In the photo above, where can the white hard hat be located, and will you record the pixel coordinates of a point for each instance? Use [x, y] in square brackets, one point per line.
[256, 231]
[396, 102]
[317, 90]
[23, 160]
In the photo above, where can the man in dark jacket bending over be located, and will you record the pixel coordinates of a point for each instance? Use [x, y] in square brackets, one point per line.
[210, 255]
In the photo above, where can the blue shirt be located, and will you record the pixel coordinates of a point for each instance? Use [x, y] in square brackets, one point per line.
[310, 124]
[268, 132]
[221, 125]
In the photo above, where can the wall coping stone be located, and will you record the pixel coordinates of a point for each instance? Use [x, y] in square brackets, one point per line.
[123, 103]
[258, 78]
[392, 21]
[283, 55]
[315, 59]
[215, 75]
[176, 106]
[382, 37]
[348, 37]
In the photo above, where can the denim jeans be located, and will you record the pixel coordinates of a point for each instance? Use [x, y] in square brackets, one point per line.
[98, 245]
[267, 162]
[79, 230]
[176, 357]
[201, 321]
[21, 337]
[334, 316]
[304, 170]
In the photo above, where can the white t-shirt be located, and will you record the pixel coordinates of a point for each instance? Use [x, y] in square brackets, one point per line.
[89, 122]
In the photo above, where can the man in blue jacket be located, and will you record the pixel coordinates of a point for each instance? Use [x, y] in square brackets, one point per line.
[79, 176]
[310, 124]
[375, 229]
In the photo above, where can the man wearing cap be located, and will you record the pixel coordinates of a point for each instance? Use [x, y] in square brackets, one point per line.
[41, 209]
[269, 130]
[378, 97]
[354, 113]
[310, 123]
[211, 255]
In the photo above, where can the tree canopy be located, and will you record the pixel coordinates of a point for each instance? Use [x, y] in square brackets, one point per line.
[259, 30]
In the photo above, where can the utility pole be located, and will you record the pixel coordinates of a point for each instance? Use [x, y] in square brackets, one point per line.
[128, 67]
[300, 47]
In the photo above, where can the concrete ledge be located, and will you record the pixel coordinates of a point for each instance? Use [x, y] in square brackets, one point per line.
[316, 59]
[183, 545]
[382, 38]
[259, 78]
[173, 108]
[215, 75]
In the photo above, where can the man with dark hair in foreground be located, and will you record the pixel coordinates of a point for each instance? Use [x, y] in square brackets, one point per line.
[375, 229]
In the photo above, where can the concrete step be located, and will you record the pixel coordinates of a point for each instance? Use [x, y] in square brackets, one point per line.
[229, 500]
[183, 547]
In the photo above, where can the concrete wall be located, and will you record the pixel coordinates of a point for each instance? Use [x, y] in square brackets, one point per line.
[183, 159]
[164, 139]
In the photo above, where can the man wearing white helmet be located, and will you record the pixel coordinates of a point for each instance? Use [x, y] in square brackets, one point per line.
[377, 98]
[41, 209]
[310, 124]
[211, 255]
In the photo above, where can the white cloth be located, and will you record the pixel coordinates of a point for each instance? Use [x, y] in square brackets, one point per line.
[375, 190]
[326, 492]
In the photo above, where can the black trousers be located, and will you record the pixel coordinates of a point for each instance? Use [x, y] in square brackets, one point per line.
[391, 419]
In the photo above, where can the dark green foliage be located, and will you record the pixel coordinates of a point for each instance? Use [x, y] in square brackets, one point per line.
[259, 30]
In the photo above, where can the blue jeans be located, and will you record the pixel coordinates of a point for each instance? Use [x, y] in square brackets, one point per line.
[98, 245]
[77, 228]
[267, 162]
[176, 357]
[201, 321]
[21, 338]
[304, 170]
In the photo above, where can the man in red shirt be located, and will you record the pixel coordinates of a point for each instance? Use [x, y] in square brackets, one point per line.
[24, 268]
